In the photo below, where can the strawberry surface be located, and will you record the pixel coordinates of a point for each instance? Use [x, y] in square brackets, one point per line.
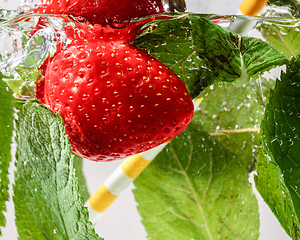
[101, 11]
[115, 99]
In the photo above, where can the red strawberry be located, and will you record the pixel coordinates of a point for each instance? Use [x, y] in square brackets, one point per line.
[102, 11]
[115, 99]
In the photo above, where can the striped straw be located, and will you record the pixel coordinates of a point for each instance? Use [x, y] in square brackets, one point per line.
[248, 8]
[121, 178]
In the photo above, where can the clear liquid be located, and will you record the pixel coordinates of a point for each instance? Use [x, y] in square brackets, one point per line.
[20, 48]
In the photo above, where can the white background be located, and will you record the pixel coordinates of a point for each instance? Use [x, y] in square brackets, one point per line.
[121, 220]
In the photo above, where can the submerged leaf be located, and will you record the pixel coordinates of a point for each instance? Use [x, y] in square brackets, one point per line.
[6, 129]
[83, 190]
[279, 166]
[282, 36]
[195, 189]
[293, 5]
[46, 196]
[232, 112]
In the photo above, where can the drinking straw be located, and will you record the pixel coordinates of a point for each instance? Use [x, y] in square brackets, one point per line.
[250, 8]
[121, 178]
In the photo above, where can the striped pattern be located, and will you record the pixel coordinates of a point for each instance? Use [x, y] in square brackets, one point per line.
[120, 179]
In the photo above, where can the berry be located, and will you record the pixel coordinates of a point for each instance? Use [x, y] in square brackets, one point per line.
[101, 11]
[115, 99]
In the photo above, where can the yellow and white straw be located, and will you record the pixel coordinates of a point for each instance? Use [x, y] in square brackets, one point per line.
[247, 8]
[121, 178]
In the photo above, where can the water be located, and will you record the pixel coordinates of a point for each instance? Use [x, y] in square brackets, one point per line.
[26, 40]
[24, 52]
[24, 47]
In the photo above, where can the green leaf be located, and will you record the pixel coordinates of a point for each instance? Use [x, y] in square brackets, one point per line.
[171, 42]
[83, 190]
[293, 5]
[232, 112]
[195, 189]
[46, 196]
[259, 56]
[6, 129]
[282, 36]
[280, 134]
[201, 52]
[271, 185]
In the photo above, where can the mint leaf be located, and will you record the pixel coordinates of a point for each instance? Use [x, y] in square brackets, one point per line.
[195, 189]
[83, 190]
[284, 38]
[46, 196]
[201, 52]
[293, 5]
[232, 112]
[271, 185]
[6, 129]
[281, 144]
[171, 42]
[259, 56]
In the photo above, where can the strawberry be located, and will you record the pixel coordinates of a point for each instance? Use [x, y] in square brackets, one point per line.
[115, 99]
[101, 11]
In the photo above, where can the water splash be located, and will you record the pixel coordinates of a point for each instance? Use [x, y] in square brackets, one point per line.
[26, 40]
